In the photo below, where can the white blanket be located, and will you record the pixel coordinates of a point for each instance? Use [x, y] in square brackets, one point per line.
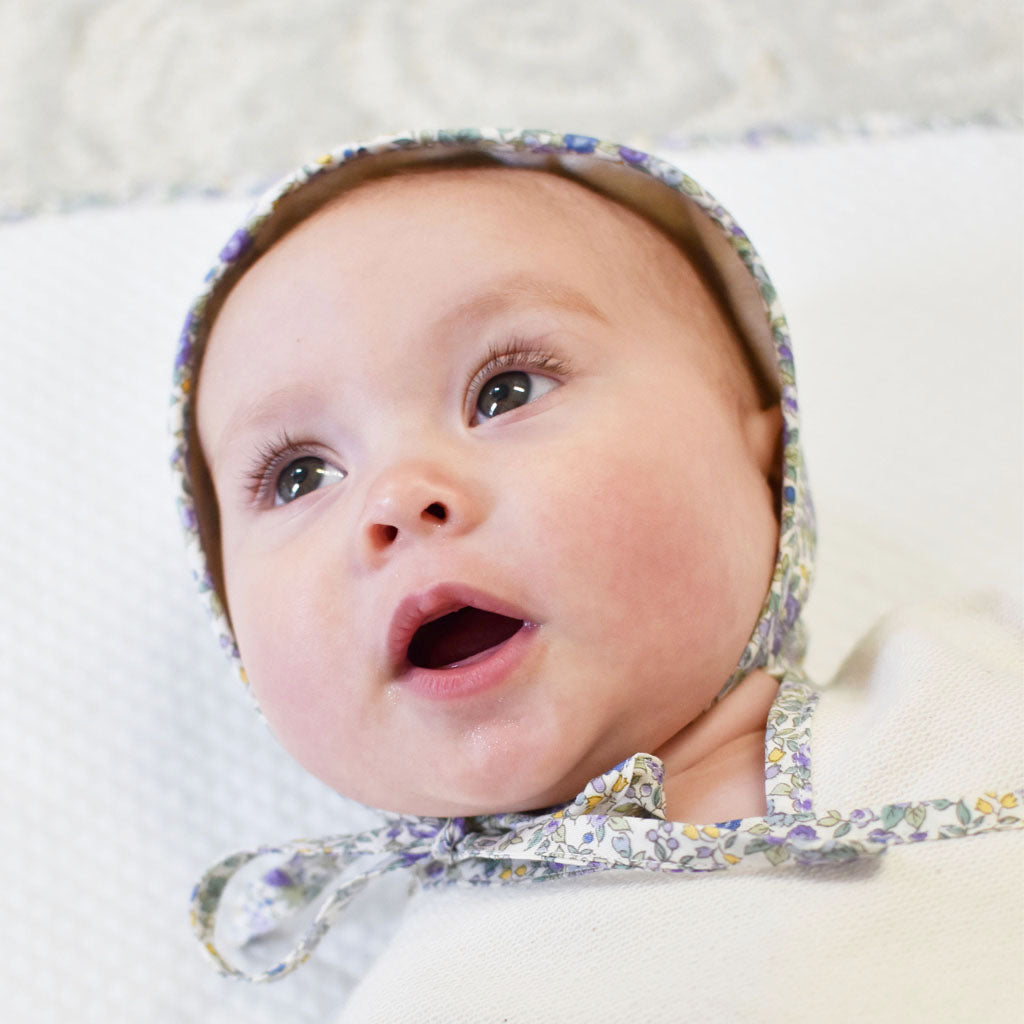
[129, 758]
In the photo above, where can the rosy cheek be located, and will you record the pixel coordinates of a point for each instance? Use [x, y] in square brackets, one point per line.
[279, 645]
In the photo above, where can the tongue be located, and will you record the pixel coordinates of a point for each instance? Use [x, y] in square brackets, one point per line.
[458, 636]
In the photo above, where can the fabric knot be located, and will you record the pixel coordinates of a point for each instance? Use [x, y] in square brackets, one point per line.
[447, 844]
[632, 788]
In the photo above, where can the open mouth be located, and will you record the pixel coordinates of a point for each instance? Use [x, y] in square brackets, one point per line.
[458, 636]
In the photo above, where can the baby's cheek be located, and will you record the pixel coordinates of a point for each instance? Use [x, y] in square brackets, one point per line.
[293, 675]
[625, 533]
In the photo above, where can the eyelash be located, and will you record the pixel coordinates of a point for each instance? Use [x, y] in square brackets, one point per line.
[514, 355]
[270, 457]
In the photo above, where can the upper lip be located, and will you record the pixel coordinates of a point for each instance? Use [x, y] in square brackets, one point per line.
[426, 605]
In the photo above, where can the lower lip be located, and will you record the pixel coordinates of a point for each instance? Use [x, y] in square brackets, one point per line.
[484, 671]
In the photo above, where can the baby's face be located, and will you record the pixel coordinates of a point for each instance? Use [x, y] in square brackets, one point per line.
[470, 390]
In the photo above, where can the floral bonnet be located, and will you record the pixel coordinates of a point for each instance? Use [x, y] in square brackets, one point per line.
[657, 190]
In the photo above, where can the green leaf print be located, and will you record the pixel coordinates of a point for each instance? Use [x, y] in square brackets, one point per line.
[892, 814]
[915, 816]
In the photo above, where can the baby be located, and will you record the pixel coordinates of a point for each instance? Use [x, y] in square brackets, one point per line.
[489, 450]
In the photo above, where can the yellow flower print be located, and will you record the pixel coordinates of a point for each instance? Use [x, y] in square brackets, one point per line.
[776, 755]
[690, 831]
[620, 784]
[1008, 800]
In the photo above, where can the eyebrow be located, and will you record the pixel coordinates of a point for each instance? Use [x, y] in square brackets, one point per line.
[266, 409]
[512, 292]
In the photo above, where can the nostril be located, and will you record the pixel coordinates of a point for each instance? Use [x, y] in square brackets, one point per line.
[383, 534]
[437, 511]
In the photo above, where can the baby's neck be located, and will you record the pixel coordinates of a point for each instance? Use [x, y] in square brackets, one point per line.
[714, 768]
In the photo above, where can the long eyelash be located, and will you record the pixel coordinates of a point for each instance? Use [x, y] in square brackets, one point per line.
[519, 355]
[258, 477]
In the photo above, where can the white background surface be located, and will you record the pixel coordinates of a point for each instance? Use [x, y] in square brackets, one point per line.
[129, 758]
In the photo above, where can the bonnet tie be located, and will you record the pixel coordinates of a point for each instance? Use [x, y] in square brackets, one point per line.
[617, 822]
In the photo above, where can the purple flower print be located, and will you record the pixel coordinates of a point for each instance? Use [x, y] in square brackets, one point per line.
[188, 516]
[410, 857]
[236, 245]
[278, 878]
[632, 156]
[580, 143]
[424, 831]
[862, 816]
[598, 785]
[802, 755]
[184, 356]
[801, 799]
[803, 832]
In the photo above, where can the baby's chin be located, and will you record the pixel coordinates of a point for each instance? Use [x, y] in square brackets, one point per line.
[487, 781]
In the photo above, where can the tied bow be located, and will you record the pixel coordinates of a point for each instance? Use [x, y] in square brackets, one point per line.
[588, 834]
[618, 821]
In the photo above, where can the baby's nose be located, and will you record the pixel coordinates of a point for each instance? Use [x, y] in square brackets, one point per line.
[415, 501]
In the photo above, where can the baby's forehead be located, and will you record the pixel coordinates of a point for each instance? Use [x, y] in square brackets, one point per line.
[593, 219]
[634, 253]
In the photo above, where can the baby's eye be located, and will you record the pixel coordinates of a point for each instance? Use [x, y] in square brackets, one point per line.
[508, 390]
[303, 476]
